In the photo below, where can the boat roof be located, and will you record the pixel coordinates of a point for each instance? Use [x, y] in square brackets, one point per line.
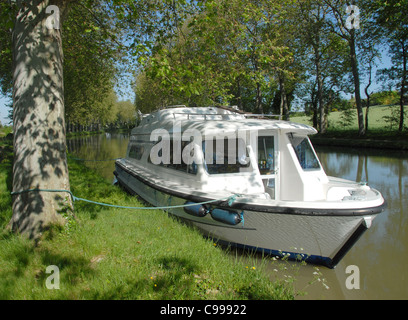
[214, 120]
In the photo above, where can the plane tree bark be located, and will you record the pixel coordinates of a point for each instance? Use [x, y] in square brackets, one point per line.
[38, 119]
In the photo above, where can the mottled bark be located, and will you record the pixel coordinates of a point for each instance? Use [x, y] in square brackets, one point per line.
[38, 120]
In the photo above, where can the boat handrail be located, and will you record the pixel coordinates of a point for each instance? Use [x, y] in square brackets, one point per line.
[249, 115]
[205, 115]
[173, 106]
[263, 115]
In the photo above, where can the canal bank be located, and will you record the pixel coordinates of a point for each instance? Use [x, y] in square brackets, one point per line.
[375, 140]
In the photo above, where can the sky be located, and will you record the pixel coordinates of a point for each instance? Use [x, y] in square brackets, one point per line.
[4, 110]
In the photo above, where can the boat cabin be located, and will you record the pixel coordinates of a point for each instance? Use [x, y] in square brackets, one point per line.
[216, 150]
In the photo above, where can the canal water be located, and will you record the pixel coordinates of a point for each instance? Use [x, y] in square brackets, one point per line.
[375, 268]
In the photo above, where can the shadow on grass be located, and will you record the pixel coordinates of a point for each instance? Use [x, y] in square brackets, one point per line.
[25, 270]
[172, 279]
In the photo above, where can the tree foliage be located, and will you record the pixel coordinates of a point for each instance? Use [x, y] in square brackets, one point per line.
[89, 66]
[254, 54]
[325, 57]
[227, 51]
[259, 54]
[7, 16]
[391, 22]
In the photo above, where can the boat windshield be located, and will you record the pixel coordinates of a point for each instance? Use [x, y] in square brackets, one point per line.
[225, 156]
[304, 152]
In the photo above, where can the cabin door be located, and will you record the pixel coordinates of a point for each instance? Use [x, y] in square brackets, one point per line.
[267, 164]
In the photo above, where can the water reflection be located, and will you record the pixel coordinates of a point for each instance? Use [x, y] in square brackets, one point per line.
[381, 253]
[99, 148]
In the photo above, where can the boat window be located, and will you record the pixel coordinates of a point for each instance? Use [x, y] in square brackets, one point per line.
[266, 149]
[225, 156]
[177, 162]
[136, 151]
[304, 152]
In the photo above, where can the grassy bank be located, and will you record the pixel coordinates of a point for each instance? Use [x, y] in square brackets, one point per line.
[122, 254]
[378, 119]
[381, 135]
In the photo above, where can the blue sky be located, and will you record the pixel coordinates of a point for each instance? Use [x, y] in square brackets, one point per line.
[4, 110]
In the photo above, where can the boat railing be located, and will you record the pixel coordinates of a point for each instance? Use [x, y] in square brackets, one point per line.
[173, 106]
[208, 116]
[250, 115]
[211, 116]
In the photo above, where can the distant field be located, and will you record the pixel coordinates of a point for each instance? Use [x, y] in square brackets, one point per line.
[375, 119]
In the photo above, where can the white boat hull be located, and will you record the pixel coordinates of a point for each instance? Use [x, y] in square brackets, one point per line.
[317, 238]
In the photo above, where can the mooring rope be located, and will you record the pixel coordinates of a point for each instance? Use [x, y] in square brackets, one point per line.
[91, 160]
[230, 200]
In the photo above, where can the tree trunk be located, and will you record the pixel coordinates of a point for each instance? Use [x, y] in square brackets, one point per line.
[315, 109]
[368, 98]
[284, 108]
[239, 95]
[258, 100]
[366, 115]
[323, 119]
[356, 76]
[403, 84]
[39, 124]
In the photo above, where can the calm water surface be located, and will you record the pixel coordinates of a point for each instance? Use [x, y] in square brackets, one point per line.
[381, 254]
[99, 147]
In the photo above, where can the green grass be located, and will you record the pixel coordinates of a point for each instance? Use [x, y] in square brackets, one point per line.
[376, 119]
[123, 254]
[380, 134]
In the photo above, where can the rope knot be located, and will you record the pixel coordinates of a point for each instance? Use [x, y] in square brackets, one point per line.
[232, 199]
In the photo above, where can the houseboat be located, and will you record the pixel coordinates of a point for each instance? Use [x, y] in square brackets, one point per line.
[248, 181]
